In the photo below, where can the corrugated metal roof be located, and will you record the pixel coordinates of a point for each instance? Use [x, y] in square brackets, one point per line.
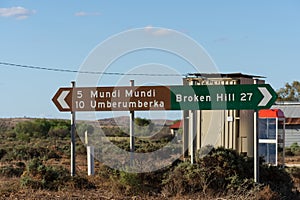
[289, 110]
[177, 125]
[222, 75]
[271, 113]
[292, 121]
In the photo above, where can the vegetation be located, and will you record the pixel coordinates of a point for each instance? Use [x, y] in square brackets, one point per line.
[142, 121]
[41, 128]
[293, 150]
[39, 169]
[40, 176]
[290, 92]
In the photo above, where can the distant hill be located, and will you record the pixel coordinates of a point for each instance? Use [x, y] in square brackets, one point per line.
[124, 121]
[117, 121]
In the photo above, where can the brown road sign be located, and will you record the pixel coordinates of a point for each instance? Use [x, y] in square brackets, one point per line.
[113, 98]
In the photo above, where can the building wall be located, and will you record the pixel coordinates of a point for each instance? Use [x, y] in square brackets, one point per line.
[292, 134]
[228, 128]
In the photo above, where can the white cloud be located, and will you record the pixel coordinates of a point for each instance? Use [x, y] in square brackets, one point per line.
[83, 14]
[157, 31]
[16, 12]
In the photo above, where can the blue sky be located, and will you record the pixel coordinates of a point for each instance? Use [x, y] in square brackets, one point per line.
[253, 37]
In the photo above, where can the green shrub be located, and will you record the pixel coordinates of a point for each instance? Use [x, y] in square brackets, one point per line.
[11, 171]
[80, 182]
[297, 152]
[10, 134]
[131, 182]
[221, 170]
[3, 152]
[295, 148]
[59, 131]
[266, 193]
[278, 179]
[42, 128]
[142, 121]
[29, 152]
[28, 182]
[295, 175]
[177, 181]
[288, 151]
[40, 176]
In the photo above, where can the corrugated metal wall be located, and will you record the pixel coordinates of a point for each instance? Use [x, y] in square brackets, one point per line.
[292, 134]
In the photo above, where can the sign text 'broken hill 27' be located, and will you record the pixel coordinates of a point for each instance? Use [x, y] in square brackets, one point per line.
[195, 97]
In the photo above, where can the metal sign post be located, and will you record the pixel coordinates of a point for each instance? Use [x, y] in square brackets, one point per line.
[192, 134]
[255, 146]
[73, 142]
[131, 126]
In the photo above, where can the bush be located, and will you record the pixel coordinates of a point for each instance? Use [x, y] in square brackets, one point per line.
[59, 131]
[220, 171]
[28, 152]
[133, 183]
[42, 128]
[177, 183]
[142, 121]
[40, 176]
[278, 179]
[266, 193]
[295, 175]
[80, 182]
[295, 149]
[288, 151]
[2, 153]
[11, 171]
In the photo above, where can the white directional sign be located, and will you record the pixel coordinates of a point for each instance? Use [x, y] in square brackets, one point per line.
[62, 99]
[266, 96]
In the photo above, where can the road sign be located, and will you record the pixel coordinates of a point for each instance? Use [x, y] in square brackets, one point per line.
[223, 97]
[195, 97]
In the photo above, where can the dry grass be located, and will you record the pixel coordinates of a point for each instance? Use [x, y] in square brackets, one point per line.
[105, 188]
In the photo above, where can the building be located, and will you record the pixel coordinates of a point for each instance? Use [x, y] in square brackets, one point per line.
[271, 136]
[228, 128]
[174, 128]
[291, 112]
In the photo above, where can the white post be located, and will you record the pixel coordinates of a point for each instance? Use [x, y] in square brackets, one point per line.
[90, 155]
[86, 138]
[90, 160]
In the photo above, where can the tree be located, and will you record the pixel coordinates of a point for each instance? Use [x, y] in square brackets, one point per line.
[291, 92]
[142, 121]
